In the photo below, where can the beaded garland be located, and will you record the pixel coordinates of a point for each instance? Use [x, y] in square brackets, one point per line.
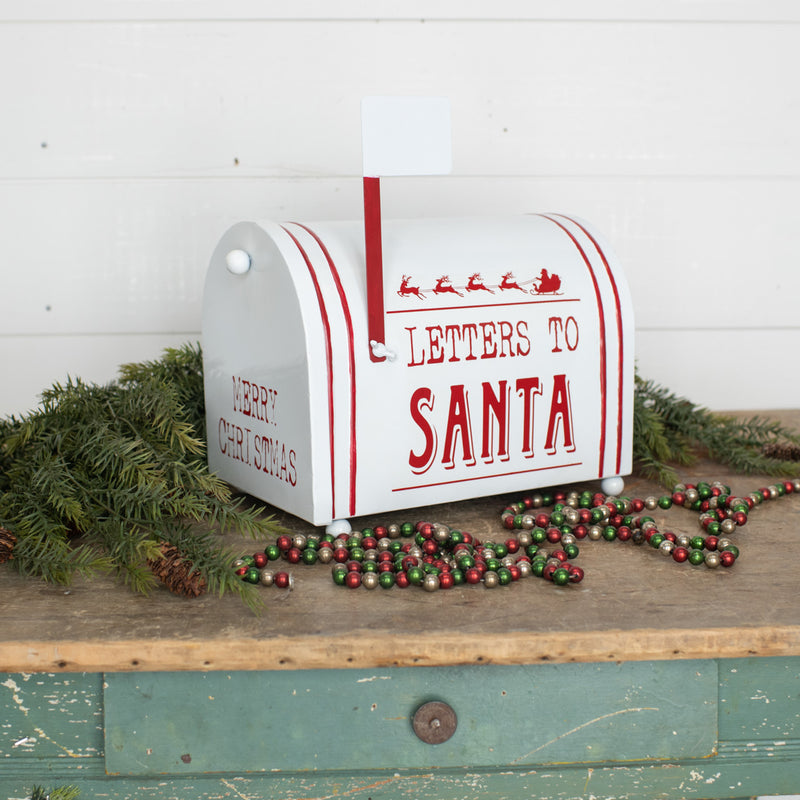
[434, 556]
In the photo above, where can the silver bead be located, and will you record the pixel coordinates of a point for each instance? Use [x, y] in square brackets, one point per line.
[572, 516]
[393, 530]
[568, 538]
[415, 551]
[595, 533]
[325, 555]
[651, 503]
[524, 538]
[441, 533]
[573, 500]
[430, 583]
[666, 547]
[712, 559]
[525, 570]
[490, 579]
[528, 521]
[724, 542]
[537, 500]
[488, 552]
[266, 576]
[508, 561]
[299, 541]
[239, 562]
[369, 580]
[692, 496]
[384, 543]
[727, 526]
[370, 555]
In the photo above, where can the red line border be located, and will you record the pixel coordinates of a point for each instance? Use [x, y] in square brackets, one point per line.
[348, 319]
[603, 354]
[329, 357]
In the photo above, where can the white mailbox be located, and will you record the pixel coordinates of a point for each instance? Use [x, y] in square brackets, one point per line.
[506, 362]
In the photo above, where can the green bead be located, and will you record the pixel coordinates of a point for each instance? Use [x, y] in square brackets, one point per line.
[547, 499]
[386, 580]
[458, 577]
[531, 550]
[538, 535]
[561, 577]
[713, 528]
[395, 546]
[597, 515]
[656, 539]
[500, 550]
[248, 561]
[518, 521]
[731, 548]
[665, 502]
[368, 532]
[369, 566]
[537, 567]
[504, 576]
[703, 490]
[272, 552]
[696, 557]
[698, 543]
[556, 519]
[252, 575]
[309, 556]
[415, 575]
[572, 551]
[338, 573]
[430, 569]
[353, 541]
[456, 537]
[312, 544]
[493, 564]
[407, 529]
[609, 533]
[465, 562]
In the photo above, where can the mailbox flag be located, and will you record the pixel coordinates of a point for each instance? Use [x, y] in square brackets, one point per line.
[406, 136]
[399, 136]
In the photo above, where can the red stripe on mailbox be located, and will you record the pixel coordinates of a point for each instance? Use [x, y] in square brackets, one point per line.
[602, 321]
[329, 358]
[348, 319]
[620, 339]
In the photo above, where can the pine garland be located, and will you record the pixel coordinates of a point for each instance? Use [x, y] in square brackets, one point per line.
[669, 430]
[100, 477]
[59, 793]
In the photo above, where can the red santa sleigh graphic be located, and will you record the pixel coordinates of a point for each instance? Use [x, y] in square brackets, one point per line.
[545, 283]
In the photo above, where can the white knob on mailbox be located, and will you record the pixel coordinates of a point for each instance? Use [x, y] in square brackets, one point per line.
[238, 262]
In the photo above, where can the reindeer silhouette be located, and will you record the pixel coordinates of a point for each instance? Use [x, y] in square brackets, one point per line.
[508, 282]
[475, 283]
[406, 290]
[443, 286]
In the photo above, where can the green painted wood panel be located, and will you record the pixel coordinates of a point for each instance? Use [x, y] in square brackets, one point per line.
[44, 716]
[184, 723]
[760, 699]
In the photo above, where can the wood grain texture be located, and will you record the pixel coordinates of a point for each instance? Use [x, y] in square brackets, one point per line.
[633, 605]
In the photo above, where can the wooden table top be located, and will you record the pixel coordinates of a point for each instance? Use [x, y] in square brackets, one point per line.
[634, 604]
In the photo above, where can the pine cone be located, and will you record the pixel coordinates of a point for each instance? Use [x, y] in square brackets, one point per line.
[176, 573]
[7, 542]
[782, 452]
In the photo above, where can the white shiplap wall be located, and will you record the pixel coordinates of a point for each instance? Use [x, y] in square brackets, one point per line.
[134, 133]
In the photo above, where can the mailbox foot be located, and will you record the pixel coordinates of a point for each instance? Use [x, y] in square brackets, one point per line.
[337, 526]
[612, 486]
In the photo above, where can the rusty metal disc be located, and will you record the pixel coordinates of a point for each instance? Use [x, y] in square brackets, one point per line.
[434, 722]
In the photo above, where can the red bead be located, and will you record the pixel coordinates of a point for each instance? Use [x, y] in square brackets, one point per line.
[580, 531]
[426, 529]
[352, 580]
[575, 574]
[508, 522]
[560, 555]
[294, 555]
[516, 572]
[281, 579]
[553, 535]
[726, 558]
[585, 516]
[354, 566]
[789, 486]
[740, 518]
[624, 533]
[401, 580]
[616, 520]
[446, 580]
[385, 555]
[385, 566]
[241, 571]
[341, 554]
[679, 498]
[473, 575]
[527, 502]
[410, 561]
[467, 537]
[711, 542]
[598, 500]
[284, 542]
[369, 543]
[380, 531]
[429, 547]
[637, 505]
[670, 536]
[512, 545]
[680, 554]
[559, 497]
[542, 520]
[548, 571]
[260, 560]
